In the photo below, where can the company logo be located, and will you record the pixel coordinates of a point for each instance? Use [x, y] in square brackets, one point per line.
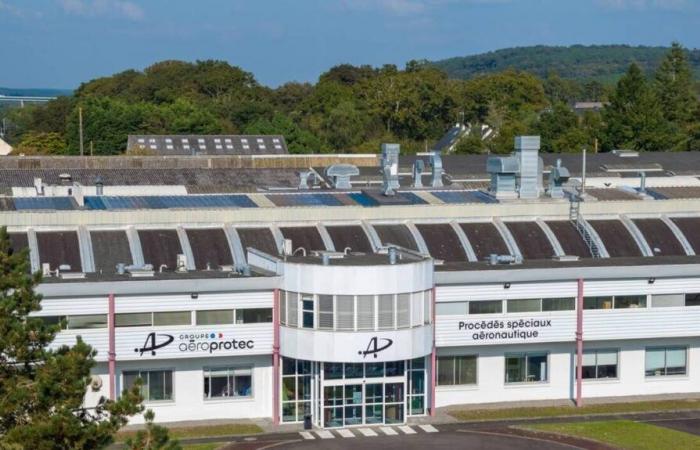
[374, 347]
[151, 344]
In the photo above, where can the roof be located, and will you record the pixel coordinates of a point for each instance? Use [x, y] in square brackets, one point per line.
[194, 144]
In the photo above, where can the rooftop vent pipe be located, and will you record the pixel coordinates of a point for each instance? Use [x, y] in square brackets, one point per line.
[437, 170]
[326, 259]
[341, 173]
[390, 168]
[643, 182]
[557, 177]
[99, 186]
[418, 168]
[392, 255]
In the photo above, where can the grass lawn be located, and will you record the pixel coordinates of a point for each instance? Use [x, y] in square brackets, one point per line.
[203, 431]
[210, 446]
[554, 411]
[624, 434]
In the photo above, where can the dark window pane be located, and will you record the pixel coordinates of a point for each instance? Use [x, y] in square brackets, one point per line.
[597, 303]
[630, 301]
[254, 315]
[394, 369]
[333, 371]
[353, 370]
[373, 370]
[692, 299]
[558, 304]
[486, 307]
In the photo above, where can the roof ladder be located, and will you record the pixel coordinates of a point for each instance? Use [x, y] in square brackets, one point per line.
[579, 224]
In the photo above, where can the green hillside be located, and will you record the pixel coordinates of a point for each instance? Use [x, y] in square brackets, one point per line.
[599, 62]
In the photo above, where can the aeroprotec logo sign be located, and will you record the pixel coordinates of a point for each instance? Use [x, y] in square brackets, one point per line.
[375, 346]
[204, 342]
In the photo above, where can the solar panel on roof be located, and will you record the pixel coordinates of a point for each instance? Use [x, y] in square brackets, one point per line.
[169, 201]
[59, 203]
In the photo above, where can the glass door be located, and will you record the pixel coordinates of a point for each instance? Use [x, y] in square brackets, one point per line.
[353, 404]
[393, 403]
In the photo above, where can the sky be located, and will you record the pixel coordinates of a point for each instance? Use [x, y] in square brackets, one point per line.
[61, 43]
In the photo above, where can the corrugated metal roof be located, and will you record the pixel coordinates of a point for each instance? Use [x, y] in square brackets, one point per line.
[229, 144]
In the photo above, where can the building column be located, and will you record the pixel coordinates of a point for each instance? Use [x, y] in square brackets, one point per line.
[111, 353]
[276, 358]
[433, 355]
[579, 342]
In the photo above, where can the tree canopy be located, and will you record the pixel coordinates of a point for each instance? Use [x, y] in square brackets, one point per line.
[354, 108]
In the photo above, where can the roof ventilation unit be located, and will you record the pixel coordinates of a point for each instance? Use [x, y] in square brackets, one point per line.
[437, 170]
[181, 264]
[520, 174]
[99, 186]
[304, 176]
[390, 168]
[140, 271]
[557, 177]
[418, 169]
[340, 174]
[38, 186]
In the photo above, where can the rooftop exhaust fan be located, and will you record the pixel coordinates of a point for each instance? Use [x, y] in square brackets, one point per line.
[340, 175]
[390, 168]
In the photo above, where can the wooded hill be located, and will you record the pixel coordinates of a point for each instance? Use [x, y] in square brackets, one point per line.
[605, 63]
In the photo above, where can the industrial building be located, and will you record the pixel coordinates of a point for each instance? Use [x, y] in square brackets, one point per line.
[363, 289]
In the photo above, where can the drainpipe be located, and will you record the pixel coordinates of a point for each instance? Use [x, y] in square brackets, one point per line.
[433, 355]
[111, 353]
[276, 358]
[579, 342]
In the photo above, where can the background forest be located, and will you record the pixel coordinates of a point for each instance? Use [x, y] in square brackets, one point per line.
[652, 106]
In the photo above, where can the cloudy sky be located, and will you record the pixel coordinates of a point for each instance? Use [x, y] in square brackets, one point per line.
[60, 43]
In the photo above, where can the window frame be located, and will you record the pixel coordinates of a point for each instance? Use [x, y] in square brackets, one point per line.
[230, 373]
[149, 370]
[526, 358]
[666, 375]
[596, 365]
[454, 359]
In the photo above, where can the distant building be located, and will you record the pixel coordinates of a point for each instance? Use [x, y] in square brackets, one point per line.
[448, 142]
[207, 144]
[5, 148]
[582, 107]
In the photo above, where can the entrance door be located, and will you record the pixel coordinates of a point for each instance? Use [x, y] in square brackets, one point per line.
[394, 403]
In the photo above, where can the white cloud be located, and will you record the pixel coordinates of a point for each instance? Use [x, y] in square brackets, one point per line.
[10, 9]
[116, 8]
[672, 5]
[408, 7]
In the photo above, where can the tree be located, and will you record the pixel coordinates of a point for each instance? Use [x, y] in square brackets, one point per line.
[560, 130]
[40, 143]
[298, 140]
[673, 83]
[152, 437]
[42, 390]
[633, 119]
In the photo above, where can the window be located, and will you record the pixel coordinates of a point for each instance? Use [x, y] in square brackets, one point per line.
[215, 317]
[692, 299]
[345, 305]
[325, 312]
[172, 318]
[617, 302]
[416, 309]
[228, 382]
[667, 300]
[253, 315]
[307, 310]
[385, 306]
[133, 320]
[157, 384]
[427, 299]
[599, 364]
[456, 370]
[403, 311]
[451, 308]
[524, 305]
[292, 309]
[630, 301]
[365, 312]
[558, 304]
[296, 389]
[597, 303]
[486, 307]
[526, 368]
[86, 321]
[664, 361]
[283, 307]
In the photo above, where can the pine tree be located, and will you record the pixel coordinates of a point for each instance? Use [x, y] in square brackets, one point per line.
[42, 390]
[673, 84]
[152, 437]
[633, 119]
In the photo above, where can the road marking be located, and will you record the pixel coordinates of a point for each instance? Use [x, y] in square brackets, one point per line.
[367, 432]
[407, 430]
[428, 428]
[388, 431]
[325, 434]
[345, 433]
[306, 435]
